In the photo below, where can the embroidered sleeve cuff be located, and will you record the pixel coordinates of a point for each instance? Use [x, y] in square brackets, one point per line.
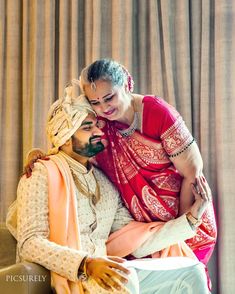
[182, 150]
[177, 138]
[60, 259]
[81, 256]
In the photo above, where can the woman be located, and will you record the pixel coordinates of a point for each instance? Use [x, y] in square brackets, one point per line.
[150, 155]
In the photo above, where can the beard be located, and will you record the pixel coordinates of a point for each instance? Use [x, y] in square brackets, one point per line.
[88, 150]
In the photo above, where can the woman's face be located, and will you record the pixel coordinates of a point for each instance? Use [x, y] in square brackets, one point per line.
[108, 101]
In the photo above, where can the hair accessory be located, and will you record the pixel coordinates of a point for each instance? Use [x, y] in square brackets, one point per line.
[130, 82]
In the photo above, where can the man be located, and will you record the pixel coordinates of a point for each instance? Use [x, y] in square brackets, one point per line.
[68, 208]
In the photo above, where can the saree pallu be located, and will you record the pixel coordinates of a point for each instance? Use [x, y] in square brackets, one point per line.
[140, 168]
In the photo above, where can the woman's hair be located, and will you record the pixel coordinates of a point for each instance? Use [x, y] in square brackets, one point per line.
[106, 70]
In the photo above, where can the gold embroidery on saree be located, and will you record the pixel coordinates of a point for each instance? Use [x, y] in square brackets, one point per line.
[169, 182]
[177, 137]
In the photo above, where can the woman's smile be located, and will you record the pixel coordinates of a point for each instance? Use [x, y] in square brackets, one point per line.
[109, 112]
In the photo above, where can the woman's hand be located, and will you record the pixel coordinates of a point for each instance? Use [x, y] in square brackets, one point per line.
[107, 271]
[32, 157]
[202, 194]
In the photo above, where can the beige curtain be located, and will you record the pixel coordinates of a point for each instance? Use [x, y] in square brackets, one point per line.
[181, 50]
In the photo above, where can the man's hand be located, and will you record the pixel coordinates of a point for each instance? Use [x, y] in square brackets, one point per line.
[32, 157]
[202, 194]
[107, 271]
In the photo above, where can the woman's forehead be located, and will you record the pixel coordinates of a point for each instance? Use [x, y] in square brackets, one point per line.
[99, 91]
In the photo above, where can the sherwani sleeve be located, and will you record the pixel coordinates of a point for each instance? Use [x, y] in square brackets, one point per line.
[33, 228]
[171, 233]
[122, 216]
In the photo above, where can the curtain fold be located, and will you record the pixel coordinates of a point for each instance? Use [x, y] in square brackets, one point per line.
[38, 70]
[11, 114]
[225, 139]
[181, 50]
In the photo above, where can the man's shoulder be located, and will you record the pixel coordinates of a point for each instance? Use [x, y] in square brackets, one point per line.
[34, 187]
[39, 172]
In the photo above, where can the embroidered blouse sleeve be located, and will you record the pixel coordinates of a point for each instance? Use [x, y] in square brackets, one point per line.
[33, 228]
[162, 121]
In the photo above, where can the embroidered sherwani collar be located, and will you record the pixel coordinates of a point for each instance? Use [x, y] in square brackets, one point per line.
[75, 165]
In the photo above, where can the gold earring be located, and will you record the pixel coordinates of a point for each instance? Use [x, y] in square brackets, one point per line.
[93, 85]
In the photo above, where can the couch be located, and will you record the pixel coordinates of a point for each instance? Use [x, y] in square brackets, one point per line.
[20, 278]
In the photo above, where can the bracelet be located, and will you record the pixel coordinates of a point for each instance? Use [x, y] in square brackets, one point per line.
[85, 267]
[193, 220]
[82, 270]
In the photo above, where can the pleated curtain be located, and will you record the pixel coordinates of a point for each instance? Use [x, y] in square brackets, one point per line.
[181, 50]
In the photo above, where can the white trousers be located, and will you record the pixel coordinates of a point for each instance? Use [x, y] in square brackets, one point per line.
[167, 276]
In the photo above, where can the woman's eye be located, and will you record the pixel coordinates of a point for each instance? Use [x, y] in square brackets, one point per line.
[94, 103]
[109, 98]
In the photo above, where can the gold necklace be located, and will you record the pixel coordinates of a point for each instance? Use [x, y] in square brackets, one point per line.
[85, 190]
[135, 123]
[130, 130]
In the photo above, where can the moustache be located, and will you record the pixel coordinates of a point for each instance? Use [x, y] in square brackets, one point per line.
[94, 138]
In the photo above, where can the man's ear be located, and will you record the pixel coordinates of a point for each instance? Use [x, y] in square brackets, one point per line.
[66, 145]
[68, 142]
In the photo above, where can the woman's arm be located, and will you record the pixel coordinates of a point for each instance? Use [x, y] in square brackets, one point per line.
[189, 164]
[181, 228]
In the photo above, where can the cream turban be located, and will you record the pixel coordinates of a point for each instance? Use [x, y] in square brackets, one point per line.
[65, 116]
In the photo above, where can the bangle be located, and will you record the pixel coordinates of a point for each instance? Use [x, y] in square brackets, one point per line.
[85, 267]
[82, 273]
[193, 220]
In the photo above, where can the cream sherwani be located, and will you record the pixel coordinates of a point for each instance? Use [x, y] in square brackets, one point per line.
[95, 223]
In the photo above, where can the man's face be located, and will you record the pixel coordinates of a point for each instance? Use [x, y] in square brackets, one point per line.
[86, 141]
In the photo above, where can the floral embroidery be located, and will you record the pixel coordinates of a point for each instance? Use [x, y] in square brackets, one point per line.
[147, 151]
[155, 205]
[137, 211]
[169, 182]
[177, 137]
[206, 232]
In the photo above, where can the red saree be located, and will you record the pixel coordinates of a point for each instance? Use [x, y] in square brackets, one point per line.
[140, 167]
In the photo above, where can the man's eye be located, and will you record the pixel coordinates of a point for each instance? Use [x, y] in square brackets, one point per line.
[87, 128]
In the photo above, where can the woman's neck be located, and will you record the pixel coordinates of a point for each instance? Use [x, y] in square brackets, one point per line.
[135, 106]
[128, 116]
